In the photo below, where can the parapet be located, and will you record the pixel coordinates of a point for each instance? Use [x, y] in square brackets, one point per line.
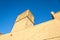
[25, 14]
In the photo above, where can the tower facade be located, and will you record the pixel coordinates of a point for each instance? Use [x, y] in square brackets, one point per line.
[24, 28]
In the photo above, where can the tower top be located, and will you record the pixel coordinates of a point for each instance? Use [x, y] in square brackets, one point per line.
[27, 14]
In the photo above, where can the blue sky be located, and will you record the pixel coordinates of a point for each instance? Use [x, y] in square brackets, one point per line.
[10, 9]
